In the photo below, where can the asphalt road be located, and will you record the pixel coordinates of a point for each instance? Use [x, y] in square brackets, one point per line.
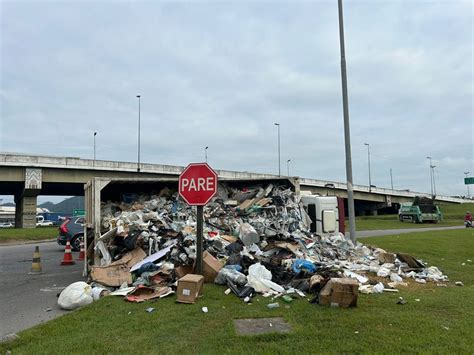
[24, 298]
[363, 234]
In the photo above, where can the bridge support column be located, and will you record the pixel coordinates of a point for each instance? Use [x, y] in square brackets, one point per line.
[26, 202]
[25, 211]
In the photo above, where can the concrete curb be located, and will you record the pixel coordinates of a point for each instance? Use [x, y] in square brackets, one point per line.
[23, 242]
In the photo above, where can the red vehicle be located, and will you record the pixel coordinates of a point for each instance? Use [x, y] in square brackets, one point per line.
[468, 219]
[74, 230]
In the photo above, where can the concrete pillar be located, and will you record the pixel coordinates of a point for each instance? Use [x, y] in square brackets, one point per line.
[25, 202]
[25, 211]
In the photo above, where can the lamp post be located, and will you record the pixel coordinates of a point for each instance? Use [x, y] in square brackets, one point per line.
[368, 160]
[288, 167]
[279, 169]
[391, 178]
[205, 152]
[138, 160]
[431, 176]
[434, 182]
[467, 185]
[95, 133]
[347, 133]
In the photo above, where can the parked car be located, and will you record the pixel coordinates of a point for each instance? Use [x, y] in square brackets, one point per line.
[74, 230]
[7, 225]
[41, 222]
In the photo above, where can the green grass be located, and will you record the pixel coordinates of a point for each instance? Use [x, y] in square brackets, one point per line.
[15, 234]
[112, 325]
[453, 215]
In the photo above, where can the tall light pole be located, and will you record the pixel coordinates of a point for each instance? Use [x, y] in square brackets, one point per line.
[434, 182]
[138, 161]
[368, 160]
[279, 169]
[467, 185]
[431, 176]
[347, 133]
[391, 178]
[288, 167]
[205, 152]
[95, 133]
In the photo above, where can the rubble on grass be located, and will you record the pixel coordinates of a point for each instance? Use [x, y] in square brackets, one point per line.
[258, 240]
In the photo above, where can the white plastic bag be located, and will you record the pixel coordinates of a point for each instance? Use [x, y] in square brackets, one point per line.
[76, 295]
[260, 279]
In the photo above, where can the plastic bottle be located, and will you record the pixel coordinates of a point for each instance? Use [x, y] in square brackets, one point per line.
[273, 305]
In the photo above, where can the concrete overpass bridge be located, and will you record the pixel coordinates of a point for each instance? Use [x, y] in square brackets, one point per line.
[27, 176]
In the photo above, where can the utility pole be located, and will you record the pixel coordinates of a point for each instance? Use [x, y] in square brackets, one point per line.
[347, 133]
[288, 167]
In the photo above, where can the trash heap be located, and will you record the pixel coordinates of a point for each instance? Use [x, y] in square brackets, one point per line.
[256, 240]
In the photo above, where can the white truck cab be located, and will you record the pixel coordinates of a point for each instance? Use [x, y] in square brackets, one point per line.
[324, 213]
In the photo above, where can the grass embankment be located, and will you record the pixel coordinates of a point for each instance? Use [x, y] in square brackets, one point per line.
[453, 215]
[441, 322]
[8, 235]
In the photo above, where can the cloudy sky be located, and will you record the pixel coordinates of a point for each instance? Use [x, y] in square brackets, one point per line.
[220, 74]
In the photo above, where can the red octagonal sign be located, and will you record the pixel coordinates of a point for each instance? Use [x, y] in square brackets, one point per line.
[197, 184]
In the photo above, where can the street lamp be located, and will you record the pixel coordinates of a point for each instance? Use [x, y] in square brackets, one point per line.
[279, 170]
[391, 178]
[467, 185]
[138, 162]
[368, 159]
[95, 133]
[347, 131]
[205, 152]
[288, 166]
[434, 182]
[431, 175]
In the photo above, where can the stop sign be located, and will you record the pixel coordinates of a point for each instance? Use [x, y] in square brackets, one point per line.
[197, 184]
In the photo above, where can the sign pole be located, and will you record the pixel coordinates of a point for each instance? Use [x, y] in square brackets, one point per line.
[199, 237]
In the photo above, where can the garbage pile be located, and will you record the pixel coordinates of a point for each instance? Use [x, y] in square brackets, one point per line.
[256, 240]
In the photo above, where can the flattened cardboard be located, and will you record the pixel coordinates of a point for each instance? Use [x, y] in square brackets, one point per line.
[112, 275]
[387, 258]
[210, 267]
[142, 293]
[131, 258]
[189, 288]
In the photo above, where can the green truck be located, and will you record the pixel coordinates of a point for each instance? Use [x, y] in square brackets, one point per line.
[421, 210]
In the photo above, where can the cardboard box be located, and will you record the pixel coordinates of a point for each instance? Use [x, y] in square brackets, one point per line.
[183, 270]
[340, 292]
[210, 267]
[112, 275]
[189, 288]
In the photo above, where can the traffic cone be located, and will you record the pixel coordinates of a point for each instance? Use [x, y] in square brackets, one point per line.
[81, 253]
[36, 264]
[67, 260]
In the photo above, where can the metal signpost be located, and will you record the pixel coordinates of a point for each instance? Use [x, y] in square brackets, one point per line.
[197, 185]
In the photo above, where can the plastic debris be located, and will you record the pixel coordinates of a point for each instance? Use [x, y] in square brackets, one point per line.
[273, 305]
[459, 283]
[77, 294]
[205, 309]
[401, 301]
[149, 309]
